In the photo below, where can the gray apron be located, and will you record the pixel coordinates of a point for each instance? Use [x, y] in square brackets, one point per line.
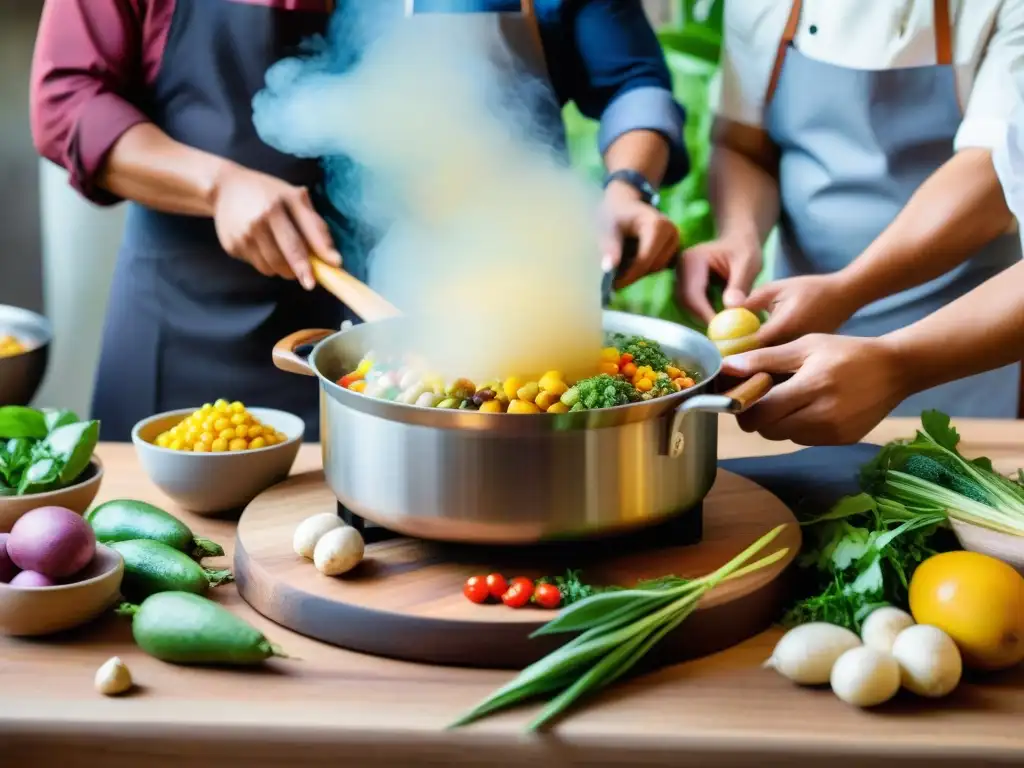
[855, 145]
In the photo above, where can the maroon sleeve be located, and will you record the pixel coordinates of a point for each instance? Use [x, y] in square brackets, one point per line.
[92, 60]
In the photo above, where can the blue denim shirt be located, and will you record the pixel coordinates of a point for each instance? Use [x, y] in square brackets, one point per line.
[602, 55]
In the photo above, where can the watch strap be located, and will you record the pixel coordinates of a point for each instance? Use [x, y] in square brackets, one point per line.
[636, 180]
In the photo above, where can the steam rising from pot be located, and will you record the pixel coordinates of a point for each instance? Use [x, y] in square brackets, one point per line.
[488, 240]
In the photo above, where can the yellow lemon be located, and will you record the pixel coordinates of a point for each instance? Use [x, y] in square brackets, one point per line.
[975, 599]
[733, 331]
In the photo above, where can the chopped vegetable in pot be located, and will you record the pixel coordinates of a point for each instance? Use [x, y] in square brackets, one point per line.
[635, 369]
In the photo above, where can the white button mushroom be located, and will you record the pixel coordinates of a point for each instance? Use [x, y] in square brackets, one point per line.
[806, 653]
[338, 551]
[865, 677]
[310, 530]
[882, 625]
[113, 677]
[930, 663]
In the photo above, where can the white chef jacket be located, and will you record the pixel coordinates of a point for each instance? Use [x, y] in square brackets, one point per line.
[988, 52]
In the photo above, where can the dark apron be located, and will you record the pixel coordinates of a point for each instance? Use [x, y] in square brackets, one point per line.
[186, 323]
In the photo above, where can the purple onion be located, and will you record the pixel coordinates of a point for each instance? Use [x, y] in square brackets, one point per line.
[32, 579]
[53, 541]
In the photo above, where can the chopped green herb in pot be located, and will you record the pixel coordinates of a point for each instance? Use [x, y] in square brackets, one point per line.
[642, 350]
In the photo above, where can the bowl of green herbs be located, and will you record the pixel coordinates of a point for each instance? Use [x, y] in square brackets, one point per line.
[46, 459]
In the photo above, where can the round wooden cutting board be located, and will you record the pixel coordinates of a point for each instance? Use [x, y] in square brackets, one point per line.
[405, 599]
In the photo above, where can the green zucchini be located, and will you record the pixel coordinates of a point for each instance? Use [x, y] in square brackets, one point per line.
[152, 566]
[184, 628]
[127, 519]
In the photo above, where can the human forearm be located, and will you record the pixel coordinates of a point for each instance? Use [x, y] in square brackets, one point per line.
[742, 186]
[978, 332]
[644, 151]
[957, 211]
[149, 167]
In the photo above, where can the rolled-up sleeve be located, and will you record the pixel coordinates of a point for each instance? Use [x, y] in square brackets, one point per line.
[624, 81]
[87, 60]
[999, 84]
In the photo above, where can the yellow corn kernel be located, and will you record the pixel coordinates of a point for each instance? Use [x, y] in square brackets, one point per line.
[176, 444]
[221, 424]
[610, 355]
[357, 386]
[511, 386]
[227, 434]
[545, 400]
[270, 439]
[242, 430]
[200, 448]
[207, 407]
[163, 440]
[528, 391]
[206, 438]
[219, 445]
[237, 407]
[239, 418]
[255, 430]
[644, 385]
[522, 406]
[238, 444]
[558, 407]
[490, 406]
[257, 442]
[221, 404]
[612, 369]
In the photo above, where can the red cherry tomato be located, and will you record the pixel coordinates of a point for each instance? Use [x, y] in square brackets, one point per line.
[497, 585]
[547, 596]
[476, 590]
[518, 594]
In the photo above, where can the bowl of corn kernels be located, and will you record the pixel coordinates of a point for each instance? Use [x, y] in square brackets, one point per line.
[217, 458]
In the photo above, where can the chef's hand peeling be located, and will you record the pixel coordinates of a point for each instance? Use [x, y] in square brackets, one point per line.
[801, 305]
[841, 388]
[270, 224]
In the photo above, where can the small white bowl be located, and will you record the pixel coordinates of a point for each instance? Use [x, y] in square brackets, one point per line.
[31, 611]
[215, 483]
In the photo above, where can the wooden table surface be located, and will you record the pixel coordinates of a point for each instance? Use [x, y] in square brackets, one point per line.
[336, 708]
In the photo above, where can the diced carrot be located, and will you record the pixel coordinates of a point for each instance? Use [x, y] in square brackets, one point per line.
[673, 372]
[610, 368]
[628, 370]
[358, 386]
[626, 358]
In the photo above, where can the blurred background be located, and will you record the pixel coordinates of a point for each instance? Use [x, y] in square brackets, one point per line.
[57, 251]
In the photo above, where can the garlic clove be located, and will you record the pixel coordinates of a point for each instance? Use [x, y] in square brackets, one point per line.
[113, 677]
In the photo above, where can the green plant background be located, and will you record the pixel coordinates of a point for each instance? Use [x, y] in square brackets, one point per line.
[691, 49]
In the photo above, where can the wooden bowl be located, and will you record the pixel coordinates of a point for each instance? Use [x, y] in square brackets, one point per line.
[1002, 546]
[75, 497]
[216, 483]
[30, 611]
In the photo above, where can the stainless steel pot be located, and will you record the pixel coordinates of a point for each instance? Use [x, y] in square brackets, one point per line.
[497, 478]
[21, 375]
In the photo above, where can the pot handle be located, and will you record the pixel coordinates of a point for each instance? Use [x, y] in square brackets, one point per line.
[289, 355]
[734, 400]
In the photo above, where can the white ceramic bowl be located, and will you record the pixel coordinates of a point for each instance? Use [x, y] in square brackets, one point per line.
[29, 611]
[217, 483]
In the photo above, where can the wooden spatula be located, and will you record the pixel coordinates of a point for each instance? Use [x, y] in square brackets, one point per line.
[355, 294]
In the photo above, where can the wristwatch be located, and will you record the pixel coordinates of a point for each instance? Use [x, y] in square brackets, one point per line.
[636, 180]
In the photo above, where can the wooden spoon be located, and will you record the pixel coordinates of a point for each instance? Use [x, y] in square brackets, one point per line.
[355, 294]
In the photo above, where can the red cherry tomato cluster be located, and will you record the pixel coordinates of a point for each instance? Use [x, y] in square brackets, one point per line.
[515, 594]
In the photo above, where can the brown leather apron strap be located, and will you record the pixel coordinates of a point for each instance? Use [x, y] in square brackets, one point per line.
[780, 55]
[943, 34]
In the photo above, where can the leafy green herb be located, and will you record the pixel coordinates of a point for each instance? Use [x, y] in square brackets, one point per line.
[43, 450]
[616, 627]
[644, 351]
